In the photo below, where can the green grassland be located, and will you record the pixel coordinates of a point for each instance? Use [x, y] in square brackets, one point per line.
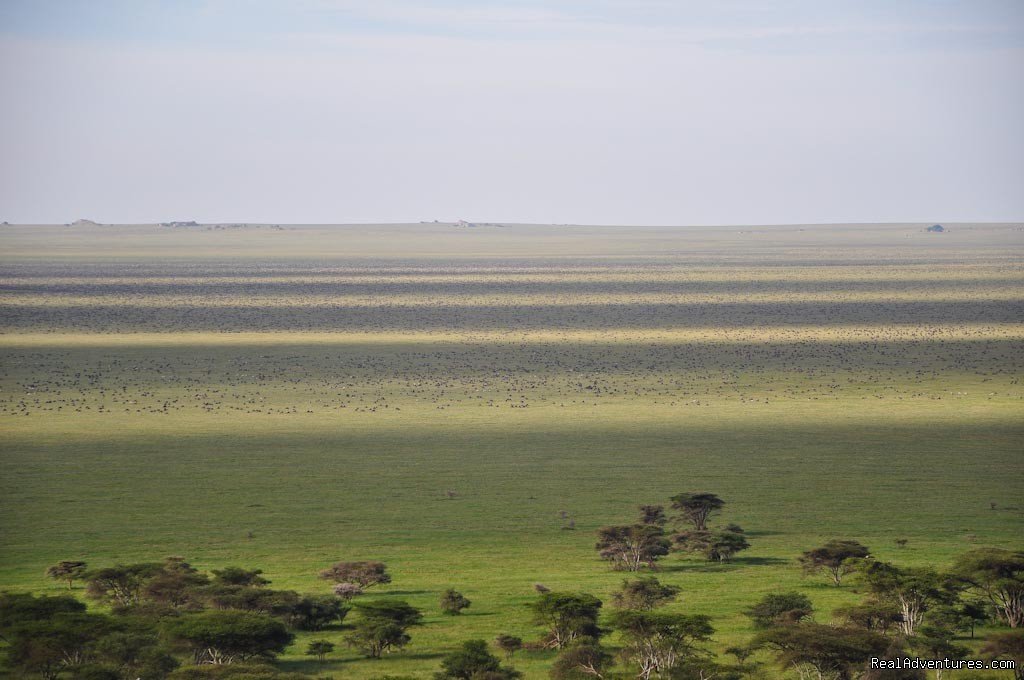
[284, 398]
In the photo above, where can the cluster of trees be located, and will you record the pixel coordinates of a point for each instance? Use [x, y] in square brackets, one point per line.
[169, 620]
[982, 582]
[909, 611]
[653, 642]
[173, 587]
[168, 615]
[631, 547]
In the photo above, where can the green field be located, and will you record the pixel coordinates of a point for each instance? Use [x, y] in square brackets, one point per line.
[284, 398]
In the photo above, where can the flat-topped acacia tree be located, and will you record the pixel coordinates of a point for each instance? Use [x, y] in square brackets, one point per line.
[837, 557]
[695, 508]
[566, 617]
[383, 626]
[653, 514]
[237, 576]
[659, 643]
[224, 637]
[631, 547]
[67, 571]
[776, 609]
[832, 652]
[363, 574]
[644, 594]
[914, 590]
[719, 545]
[474, 660]
[998, 575]
[510, 644]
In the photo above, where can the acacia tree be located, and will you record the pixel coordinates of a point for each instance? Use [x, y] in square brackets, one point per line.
[374, 637]
[998, 575]
[566, 616]
[972, 613]
[237, 576]
[315, 613]
[633, 546]
[837, 558]
[715, 545]
[695, 508]
[383, 626]
[473, 660]
[644, 594]
[256, 600]
[121, 584]
[871, 615]
[174, 584]
[224, 637]
[510, 644]
[135, 655]
[453, 602]
[658, 642]
[67, 571]
[937, 642]
[347, 591]
[363, 574]
[832, 652]
[913, 590]
[320, 649]
[653, 514]
[724, 544]
[583, 659]
[50, 646]
[777, 609]
[23, 608]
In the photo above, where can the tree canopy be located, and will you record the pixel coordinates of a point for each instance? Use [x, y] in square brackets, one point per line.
[837, 558]
[219, 637]
[777, 609]
[643, 594]
[363, 574]
[633, 546]
[695, 508]
[473, 660]
[998, 575]
[566, 616]
[67, 571]
[830, 651]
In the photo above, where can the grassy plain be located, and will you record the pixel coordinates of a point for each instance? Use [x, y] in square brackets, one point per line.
[285, 398]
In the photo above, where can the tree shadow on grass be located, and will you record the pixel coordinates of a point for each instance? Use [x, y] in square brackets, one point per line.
[711, 567]
[812, 583]
[417, 655]
[308, 666]
[759, 561]
[311, 666]
[697, 567]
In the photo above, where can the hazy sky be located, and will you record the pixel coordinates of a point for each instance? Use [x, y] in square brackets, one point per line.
[583, 111]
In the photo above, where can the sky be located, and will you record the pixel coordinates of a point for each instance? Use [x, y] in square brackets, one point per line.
[633, 112]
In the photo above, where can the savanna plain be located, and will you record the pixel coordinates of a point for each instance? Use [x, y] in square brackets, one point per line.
[471, 404]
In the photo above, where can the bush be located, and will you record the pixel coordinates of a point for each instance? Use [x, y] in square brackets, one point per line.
[453, 602]
[780, 609]
[472, 661]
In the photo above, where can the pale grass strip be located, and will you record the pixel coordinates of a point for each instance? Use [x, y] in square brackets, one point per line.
[780, 275]
[509, 299]
[740, 335]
